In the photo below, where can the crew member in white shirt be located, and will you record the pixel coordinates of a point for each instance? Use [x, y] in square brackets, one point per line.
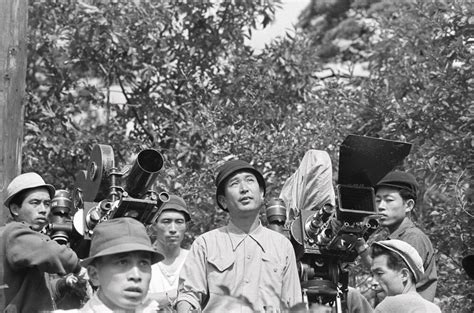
[168, 232]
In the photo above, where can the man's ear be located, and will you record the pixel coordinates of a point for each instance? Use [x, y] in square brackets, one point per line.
[14, 208]
[405, 275]
[410, 204]
[222, 201]
[93, 274]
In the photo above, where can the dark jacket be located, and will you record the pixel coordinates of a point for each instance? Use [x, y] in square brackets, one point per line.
[26, 255]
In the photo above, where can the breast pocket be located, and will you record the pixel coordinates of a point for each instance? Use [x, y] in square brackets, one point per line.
[221, 274]
[272, 274]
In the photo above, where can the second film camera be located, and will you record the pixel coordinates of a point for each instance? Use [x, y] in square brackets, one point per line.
[324, 223]
[103, 192]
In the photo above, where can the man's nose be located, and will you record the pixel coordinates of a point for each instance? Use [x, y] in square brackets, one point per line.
[244, 187]
[381, 205]
[134, 273]
[375, 284]
[172, 228]
[43, 207]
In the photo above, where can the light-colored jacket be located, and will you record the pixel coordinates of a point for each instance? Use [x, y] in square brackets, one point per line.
[228, 270]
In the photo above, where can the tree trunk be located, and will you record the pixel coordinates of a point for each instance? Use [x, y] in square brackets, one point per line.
[13, 29]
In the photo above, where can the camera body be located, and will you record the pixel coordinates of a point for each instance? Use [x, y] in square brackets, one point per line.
[324, 240]
[104, 191]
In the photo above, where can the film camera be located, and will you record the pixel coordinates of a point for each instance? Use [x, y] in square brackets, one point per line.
[103, 192]
[324, 224]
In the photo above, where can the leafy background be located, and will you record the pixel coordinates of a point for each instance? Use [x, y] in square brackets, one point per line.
[195, 91]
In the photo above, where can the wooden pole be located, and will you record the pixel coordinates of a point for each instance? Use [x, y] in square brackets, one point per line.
[13, 31]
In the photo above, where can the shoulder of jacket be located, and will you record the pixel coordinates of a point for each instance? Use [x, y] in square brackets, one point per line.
[415, 234]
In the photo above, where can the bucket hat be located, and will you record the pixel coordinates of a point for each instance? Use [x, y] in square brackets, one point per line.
[26, 181]
[231, 167]
[119, 235]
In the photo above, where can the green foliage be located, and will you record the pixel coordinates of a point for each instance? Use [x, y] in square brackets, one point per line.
[193, 90]
[424, 98]
[168, 61]
[420, 91]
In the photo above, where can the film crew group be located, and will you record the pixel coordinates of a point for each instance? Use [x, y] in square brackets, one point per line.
[28, 255]
[242, 266]
[396, 196]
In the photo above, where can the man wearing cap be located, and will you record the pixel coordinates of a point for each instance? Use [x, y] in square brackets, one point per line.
[397, 266]
[168, 231]
[396, 196]
[243, 266]
[26, 253]
[119, 265]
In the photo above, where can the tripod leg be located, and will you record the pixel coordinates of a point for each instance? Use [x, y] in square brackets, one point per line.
[338, 301]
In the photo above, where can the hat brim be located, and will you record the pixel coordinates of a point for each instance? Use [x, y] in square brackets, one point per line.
[122, 248]
[50, 188]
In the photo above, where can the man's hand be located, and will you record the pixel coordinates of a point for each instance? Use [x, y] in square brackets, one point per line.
[363, 250]
[77, 284]
[361, 246]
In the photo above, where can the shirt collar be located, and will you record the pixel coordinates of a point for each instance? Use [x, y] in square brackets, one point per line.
[236, 235]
